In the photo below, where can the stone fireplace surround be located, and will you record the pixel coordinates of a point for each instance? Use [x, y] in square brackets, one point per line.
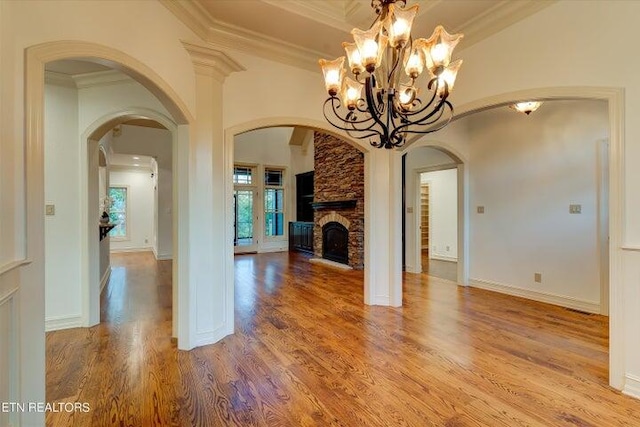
[339, 193]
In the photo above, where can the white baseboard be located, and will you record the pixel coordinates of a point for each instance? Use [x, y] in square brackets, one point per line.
[443, 258]
[211, 337]
[125, 250]
[632, 386]
[276, 249]
[55, 323]
[164, 257]
[105, 278]
[563, 301]
[411, 269]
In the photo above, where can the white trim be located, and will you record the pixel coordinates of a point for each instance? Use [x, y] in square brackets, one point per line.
[59, 79]
[5, 268]
[632, 386]
[443, 258]
[101, 78]
[561, 300]
[131, 250]
[275, 249]
[57, 323]
[8, 295]
[212, 336]
[105, 278]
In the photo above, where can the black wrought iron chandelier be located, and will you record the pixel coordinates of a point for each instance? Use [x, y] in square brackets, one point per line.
[393, 106]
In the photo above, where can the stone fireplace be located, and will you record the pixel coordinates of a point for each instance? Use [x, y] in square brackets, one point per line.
[338, 201]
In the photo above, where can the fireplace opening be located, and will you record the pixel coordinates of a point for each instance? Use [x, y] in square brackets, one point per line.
[335, 242]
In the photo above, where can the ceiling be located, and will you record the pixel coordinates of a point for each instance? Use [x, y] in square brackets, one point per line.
[301, 31]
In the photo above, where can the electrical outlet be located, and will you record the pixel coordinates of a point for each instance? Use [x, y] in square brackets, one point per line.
[146, 240]
[448, 248]
[50, 210]
[409, 209]
[537, 277]
[575, 209]
[480, 209]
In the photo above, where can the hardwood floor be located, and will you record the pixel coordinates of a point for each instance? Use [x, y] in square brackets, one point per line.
[440, 269]
[307, 352]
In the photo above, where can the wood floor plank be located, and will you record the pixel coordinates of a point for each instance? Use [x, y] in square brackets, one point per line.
[308, 352]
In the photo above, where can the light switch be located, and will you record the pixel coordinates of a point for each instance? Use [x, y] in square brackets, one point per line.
[480, 209]
[50, 210]
[575, 209]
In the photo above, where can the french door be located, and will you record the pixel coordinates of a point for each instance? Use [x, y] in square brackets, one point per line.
[244, 236]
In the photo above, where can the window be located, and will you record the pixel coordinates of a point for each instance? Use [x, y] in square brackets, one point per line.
[242, 175]
[273, 202]
[118, 212]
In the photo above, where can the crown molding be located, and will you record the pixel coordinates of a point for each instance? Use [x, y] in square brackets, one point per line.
[228, 36]
[497, 18]
[211, 61]
[59, 79]
[192, 14]
[332, 14]
[101, 78]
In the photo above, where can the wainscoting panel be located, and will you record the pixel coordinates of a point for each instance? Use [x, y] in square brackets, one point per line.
[8, 355]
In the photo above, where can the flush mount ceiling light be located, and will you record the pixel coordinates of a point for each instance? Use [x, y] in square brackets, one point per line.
[388, 63]
[526, 107]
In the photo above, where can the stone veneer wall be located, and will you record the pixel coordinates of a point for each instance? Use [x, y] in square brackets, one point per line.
[339, 175]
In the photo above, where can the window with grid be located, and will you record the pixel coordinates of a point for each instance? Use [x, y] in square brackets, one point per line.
[273, 202]
[118, 212]
[243, 175]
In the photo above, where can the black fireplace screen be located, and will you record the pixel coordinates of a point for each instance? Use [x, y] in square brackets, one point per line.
[335, 242]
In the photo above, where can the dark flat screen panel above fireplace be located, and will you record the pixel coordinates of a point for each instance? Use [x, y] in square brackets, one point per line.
[335, 242]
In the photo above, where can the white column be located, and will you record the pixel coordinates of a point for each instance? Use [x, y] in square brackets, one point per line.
[209, 291]
[383, 228]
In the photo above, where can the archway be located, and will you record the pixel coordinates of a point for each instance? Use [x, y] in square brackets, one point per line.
[230, 133]
[89, 265]
[615, 100]
[462, 207]
[36, 58]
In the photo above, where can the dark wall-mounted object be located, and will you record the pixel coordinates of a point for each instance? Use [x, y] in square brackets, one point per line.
[304, 197]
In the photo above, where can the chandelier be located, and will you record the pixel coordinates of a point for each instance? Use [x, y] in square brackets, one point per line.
[399, 98]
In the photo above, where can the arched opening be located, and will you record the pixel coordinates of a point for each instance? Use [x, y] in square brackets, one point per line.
[36, 58]
[230, 137]
[612, 178]
[425, 160]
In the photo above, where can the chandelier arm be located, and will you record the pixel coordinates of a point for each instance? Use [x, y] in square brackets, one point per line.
[334, 110]
[428, 104]
[372, 109]
[407, 130]
[371, 131]
[435, 115]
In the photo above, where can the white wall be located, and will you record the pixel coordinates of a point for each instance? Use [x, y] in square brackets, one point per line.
[62, 238]
[140, 210]
[526, 171]
[443, 213]
[156, 143]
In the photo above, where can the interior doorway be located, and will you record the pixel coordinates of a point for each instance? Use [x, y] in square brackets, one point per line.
[437, 213]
